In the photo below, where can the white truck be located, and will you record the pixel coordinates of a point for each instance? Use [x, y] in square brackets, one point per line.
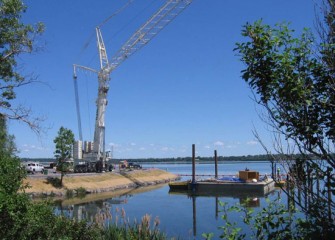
[33, 167]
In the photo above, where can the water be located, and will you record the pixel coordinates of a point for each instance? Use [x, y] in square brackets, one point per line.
[180, 215]
[208, 169]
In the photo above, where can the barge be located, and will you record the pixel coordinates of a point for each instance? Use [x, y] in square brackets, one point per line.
[209, 186]
[246, 182]
[179, 186]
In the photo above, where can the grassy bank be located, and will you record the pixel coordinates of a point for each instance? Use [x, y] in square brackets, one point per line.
[96, 183]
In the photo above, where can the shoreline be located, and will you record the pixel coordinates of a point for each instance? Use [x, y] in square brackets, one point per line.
[46, 186]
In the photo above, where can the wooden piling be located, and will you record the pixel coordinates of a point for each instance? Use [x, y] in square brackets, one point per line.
[194, 208]
[216, 164]
[216, 208]
[193, 163]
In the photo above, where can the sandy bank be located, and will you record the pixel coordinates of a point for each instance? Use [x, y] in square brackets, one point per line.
[97, 183]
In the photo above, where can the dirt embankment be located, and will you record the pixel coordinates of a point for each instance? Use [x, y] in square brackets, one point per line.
[96, 183]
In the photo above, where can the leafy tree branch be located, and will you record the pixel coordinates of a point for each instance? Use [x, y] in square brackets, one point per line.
[16, 38]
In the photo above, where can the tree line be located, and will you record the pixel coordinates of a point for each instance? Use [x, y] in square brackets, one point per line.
[258, 157]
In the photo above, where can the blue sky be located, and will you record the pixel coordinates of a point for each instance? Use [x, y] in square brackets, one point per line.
[184, 87]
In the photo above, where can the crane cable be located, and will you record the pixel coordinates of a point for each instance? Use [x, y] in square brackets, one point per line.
[92, 36]
[125, 26]
[78, 108]
[115, 13]
[134, 18]
[88, 106]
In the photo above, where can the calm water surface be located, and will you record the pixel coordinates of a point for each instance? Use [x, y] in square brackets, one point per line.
[180, 215]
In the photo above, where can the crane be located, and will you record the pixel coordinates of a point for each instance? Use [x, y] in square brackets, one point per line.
[165, 14]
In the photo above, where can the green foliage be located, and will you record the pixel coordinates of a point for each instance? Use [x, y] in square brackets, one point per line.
[13, 209]
[70, 229]
[10, 167]
[290, 80]
[11, 171]
[64, 144]
[207, 236]
[69, 193]
[12, 205]
[16, 39]
[230, 230]
[327, 35]
[275, 221]
[293, 79]
[78, 192]
[41, 223]
[22, 219]
[134, 231]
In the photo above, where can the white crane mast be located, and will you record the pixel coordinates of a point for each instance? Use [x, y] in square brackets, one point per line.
[141, 37]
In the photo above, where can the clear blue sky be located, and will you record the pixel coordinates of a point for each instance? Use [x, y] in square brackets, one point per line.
[184, 87]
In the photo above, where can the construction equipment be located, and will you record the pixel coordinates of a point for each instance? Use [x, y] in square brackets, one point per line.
[141, 37]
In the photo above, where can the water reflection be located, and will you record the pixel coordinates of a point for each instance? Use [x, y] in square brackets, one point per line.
[182, 215]
[105, 208]
[99, 208]
[245, 199]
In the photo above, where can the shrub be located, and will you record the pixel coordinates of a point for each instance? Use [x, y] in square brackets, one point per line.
[134, 231]
[274, 221]
[80, 192]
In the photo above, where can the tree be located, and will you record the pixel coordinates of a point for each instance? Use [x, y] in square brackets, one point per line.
[9, 164]
[64, 145]
[293, 79]
[326, 31]
[16, 39]
[13, 206]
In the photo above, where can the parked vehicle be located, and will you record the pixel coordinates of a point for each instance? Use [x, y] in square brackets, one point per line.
[134, 166]
[66, 166]
[33, 167]
[123, 165]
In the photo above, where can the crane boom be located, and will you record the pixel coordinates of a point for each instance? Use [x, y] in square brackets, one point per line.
[102, 49]
[141, 37]
[148, 31]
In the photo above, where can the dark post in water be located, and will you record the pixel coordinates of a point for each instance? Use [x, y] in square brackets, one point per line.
[193, 163]
[194, 216]
[216, 164]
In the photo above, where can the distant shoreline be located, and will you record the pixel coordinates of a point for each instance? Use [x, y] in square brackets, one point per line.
[183, 160]
[204, 162]
[165, 160]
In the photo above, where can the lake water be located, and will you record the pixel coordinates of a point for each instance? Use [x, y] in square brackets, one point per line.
[180, 215]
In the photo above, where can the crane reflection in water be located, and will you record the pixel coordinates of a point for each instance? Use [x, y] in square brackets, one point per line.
[97, 211]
